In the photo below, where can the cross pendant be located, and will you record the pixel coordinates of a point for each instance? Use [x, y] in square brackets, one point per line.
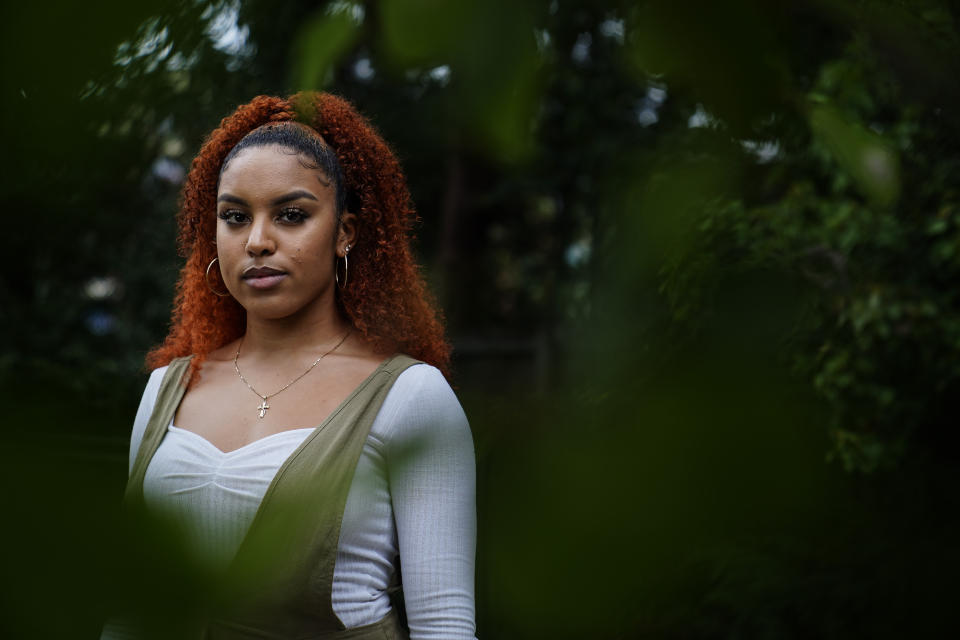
[263, 407]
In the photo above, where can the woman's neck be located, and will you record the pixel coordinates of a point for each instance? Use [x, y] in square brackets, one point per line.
[280, 338]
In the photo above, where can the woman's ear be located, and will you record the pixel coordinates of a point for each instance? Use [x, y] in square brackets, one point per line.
[347, 233]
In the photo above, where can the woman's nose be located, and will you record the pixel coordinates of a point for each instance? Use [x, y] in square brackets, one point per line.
[260, 242]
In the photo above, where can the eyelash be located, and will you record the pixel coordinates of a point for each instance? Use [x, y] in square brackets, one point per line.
[230, 216]
[300, 215]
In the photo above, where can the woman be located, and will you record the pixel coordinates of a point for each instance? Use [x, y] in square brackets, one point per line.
[298, 291]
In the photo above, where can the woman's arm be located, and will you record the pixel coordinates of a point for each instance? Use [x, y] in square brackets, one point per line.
[432, 475]
[147, 401]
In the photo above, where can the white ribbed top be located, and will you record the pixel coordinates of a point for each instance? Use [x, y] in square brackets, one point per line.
[214, 495]
[422, 507]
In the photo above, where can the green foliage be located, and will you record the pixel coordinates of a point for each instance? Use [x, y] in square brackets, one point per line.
[860, 154]
[733, 229]
[860, 205]
[494, 109]
[729, 55]
[322, 42]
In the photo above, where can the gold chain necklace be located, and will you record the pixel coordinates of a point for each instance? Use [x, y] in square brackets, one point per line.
[263, 406]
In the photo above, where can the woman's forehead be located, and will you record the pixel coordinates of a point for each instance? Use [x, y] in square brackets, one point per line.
[271, 165]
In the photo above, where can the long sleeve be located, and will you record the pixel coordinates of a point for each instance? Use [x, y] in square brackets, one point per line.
[432, 475]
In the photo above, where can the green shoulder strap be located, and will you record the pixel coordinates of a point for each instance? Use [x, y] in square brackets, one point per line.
[172, 388]
[283, 572]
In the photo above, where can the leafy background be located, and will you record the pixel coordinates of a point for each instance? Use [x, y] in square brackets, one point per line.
[698, 261]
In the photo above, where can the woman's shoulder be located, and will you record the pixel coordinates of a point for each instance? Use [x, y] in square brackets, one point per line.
[156, 375]
[420, 402]
[419, 380]
[153, 381]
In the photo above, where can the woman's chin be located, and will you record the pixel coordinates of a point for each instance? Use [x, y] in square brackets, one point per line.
[273, 308]
[268, 309]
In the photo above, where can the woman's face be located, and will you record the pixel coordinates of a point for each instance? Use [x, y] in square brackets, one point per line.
[277, 233]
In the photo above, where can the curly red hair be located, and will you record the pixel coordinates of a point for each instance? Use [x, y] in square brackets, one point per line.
[386, 301]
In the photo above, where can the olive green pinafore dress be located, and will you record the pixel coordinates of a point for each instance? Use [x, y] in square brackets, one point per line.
[283, 571]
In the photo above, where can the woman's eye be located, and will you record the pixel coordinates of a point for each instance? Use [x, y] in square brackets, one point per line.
[292, 216]
[233, 216]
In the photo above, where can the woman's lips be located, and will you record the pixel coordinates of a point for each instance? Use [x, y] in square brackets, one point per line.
[264, 282]
[263, 277]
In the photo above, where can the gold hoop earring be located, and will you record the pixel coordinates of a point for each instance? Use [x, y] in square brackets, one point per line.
[346, 269]
[206, 278]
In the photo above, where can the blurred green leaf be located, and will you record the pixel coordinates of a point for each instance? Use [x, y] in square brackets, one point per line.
[872, 163]
[488, 50]
[426, 32]
[726, 54]
[320, 45]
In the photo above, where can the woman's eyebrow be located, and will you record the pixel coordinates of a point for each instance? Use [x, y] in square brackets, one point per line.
[226, 197]
[294, 195]
[289, 197]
